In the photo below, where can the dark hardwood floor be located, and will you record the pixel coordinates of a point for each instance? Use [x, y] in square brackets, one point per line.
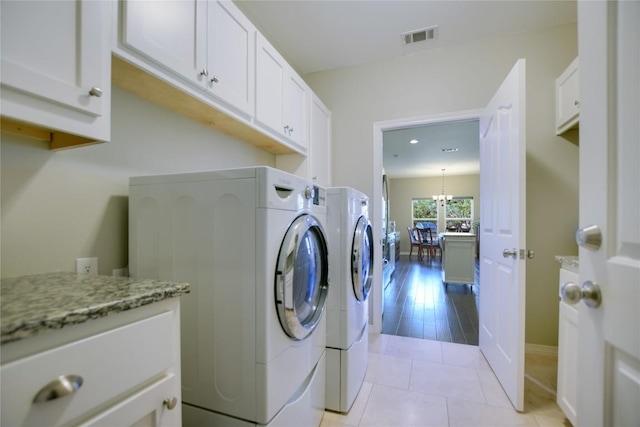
[418, 305]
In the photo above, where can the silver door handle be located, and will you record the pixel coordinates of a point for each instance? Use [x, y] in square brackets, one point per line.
[589, 292]
[507, 253]
[589, 237]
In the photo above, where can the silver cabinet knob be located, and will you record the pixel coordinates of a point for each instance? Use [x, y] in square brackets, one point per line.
[576, 102]
[507, 253]
[170, 402]
[589, 237]
[204, 72]
[214, 79]
[60, 387]
[589, 292]
[95, 91]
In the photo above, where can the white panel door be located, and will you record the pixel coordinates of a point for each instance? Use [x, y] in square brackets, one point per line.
[231, 55]
[502, 269]
[608, 335]
[172, 33]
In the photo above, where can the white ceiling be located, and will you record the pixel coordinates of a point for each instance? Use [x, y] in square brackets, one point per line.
[428, 156]
[317, 35]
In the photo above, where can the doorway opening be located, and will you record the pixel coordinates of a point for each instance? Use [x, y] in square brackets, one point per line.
[417, 303]
[378, 294]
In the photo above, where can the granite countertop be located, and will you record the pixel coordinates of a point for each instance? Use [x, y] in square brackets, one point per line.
[571, 260]
[36, 303]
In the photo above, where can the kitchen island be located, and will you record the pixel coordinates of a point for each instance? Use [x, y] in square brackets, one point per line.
[458, 258]
[90, 349]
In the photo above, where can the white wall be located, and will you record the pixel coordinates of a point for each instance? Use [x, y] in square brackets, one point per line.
[402, 191]
[464, 78]
[57, 206]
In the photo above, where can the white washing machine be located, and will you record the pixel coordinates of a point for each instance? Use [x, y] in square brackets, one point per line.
[252, 244]
[350, 275]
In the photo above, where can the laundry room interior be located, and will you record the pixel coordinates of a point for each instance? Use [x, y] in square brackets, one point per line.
[219, 231]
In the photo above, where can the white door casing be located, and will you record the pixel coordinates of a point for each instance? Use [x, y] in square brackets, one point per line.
[608, 336]
[502, 191]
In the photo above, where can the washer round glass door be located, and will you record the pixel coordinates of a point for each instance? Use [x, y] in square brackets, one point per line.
[301, 281]
[361, 256]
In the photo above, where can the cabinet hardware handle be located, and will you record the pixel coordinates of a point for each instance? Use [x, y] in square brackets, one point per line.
[60, 387]
[204, 72]
[576, 102]
[95, 91]
[214, 79]
[170, 402]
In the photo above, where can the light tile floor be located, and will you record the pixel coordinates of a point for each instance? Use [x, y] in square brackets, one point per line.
[416, 382]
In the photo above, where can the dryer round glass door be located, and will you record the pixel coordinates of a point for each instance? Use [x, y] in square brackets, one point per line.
[361, 256]
[302, 277]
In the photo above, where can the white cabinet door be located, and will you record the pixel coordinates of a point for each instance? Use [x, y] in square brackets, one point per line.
[270, 81]
[568, 353]
[157, 405]
[296, 108]
[56, 65]
[231, 55]
[170, 33]
[282, 97]
[319, 142]
[567, 98]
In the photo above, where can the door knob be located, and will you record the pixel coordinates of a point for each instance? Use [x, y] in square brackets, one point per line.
[589, 292]
[507, 253]
[589, 237]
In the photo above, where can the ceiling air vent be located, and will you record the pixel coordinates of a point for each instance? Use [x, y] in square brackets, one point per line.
[424, 34]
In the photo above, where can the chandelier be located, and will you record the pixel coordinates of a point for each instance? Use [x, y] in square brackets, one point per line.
[442, 197]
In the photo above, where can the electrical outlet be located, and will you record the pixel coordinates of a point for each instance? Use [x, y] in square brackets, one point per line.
[87, 266]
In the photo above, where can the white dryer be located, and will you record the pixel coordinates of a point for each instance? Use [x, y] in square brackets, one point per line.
[252, 244]
[350, 275]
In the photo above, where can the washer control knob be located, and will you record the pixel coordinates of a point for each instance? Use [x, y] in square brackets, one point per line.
[308, 193]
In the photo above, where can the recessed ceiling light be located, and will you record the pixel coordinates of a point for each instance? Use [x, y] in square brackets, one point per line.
[449, 150]
[413, 141]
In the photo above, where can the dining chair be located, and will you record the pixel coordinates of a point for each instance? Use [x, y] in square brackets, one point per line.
[415, 239]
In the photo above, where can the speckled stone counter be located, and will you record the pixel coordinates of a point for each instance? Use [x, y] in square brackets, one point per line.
[36, 303]
[569, 260]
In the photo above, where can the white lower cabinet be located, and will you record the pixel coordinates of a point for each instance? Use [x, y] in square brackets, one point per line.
[458, 258]
[122, 370]
[568, 352]
[56, 68]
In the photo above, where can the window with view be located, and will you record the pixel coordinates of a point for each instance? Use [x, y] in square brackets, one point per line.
[459, 214]
[424, 210]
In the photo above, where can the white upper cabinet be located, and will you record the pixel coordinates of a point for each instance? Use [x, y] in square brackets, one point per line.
[171, 33]
[208, 43]
[319, 142]
[231, 55]
[567, 99]
[282, 97]
[56, 64]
